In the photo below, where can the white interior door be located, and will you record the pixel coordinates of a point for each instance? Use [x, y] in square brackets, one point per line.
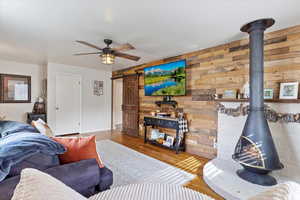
[68, 104]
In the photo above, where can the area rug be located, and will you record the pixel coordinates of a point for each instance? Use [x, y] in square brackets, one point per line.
[131, 167]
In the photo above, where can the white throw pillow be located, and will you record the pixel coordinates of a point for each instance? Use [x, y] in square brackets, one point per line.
[42, 127]
[284, 191]
[36, 185]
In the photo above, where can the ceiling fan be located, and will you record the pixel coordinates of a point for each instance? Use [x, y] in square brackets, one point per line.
[108, 54]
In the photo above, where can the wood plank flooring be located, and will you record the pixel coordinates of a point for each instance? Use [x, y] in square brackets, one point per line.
[185, 161]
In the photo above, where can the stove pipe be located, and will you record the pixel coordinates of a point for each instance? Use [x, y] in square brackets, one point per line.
[255, 150]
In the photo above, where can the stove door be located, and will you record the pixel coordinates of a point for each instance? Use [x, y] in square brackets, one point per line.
[248, 153]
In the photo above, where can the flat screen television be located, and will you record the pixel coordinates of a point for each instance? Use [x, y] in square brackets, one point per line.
[165, 80]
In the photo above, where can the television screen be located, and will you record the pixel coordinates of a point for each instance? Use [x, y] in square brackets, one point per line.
[166, 79]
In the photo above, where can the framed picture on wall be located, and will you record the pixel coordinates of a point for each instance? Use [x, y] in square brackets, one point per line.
[268, 93]
[289, 90]
[15, 88]
[230, 94]
[98, 88]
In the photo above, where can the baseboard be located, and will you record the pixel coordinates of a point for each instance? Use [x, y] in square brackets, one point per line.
[96, 131]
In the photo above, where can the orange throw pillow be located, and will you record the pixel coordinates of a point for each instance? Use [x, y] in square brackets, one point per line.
[81, 148]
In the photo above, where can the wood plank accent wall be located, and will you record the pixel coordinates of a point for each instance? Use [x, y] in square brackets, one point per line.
[216, 69]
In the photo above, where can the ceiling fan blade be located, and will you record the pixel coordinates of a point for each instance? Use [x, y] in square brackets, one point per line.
[123, 47]
[89, 44]
[81, 54]
[127, 56]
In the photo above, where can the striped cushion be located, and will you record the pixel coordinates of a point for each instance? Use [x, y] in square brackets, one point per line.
[150, 192]
[36, 185]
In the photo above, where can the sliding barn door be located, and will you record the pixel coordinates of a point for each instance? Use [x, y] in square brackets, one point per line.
[131, 105]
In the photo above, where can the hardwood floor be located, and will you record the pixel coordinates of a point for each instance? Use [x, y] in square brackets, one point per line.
[185, 161]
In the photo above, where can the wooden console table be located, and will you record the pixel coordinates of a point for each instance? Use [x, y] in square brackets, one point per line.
[164, 122]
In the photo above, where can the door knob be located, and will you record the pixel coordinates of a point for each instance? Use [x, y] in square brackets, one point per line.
[56, 108]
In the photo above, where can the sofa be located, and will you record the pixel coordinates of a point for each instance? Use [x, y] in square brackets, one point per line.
[84, 176]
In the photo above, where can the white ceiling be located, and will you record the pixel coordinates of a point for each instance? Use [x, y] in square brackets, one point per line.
[41, 31]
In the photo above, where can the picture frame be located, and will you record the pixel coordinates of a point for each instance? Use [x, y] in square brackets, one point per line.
[170, 140]
[165, 143]
[154, 134]
[230, 94]
[268, 93]
[161, 135]
[98, 88]
[15, 88]
[289, 90]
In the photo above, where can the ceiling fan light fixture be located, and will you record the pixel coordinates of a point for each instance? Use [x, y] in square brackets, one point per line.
[108, 59]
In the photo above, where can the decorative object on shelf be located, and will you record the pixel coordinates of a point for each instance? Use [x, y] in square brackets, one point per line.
[218, 96]
[170, 140]
[15, 88]
[39, 106]
[268, 93]
[230, 94]
[153, 113]
[154, 134]
[160, 140]
[180, 115]
[270, 114]
[98, 88]
[2, 118]
[161, 135]
[246, 90]
[167, 144]
[173, 114]
[289, 90]
[241, 96]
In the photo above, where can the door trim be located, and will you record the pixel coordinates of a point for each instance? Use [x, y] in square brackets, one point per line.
[80, 98]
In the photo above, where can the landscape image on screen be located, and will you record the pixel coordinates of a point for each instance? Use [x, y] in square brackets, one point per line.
[166, 79]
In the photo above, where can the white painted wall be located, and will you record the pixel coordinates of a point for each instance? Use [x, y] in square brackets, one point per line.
[96, 110]
[118, 101]
[286, 137]
[17, 111]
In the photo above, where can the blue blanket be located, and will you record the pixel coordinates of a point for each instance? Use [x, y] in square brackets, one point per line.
[19, 141]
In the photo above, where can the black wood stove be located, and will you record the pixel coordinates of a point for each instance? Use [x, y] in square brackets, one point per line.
[255, 150]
